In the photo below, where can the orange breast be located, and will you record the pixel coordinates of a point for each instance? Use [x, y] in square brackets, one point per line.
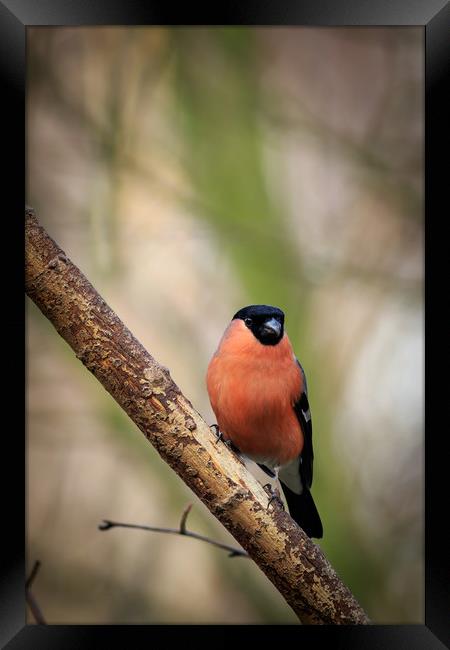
[252, 389]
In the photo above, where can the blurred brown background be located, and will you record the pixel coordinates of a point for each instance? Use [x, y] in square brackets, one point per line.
[189, 172]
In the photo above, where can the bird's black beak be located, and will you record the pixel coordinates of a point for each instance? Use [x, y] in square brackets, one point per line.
[271, 328]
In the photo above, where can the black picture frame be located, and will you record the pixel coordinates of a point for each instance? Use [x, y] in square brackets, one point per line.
[434, 17]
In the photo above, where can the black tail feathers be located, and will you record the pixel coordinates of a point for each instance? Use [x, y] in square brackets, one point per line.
[303, 510]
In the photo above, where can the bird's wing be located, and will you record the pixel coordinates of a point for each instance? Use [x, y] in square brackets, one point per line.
[302, 410]
[299, 473]
[296, 478]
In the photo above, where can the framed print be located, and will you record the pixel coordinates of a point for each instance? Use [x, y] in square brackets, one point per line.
[191, 163]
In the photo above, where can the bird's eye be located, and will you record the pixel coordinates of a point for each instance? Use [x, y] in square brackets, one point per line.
[248, 322]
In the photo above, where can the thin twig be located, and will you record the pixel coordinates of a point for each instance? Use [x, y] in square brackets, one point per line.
[33, 574]
[184, 517]
[31, 600]
[182, 530]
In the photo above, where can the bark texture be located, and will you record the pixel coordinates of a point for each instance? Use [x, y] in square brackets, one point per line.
[146, 392]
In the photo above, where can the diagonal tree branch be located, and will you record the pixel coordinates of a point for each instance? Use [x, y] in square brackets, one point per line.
[146, 392]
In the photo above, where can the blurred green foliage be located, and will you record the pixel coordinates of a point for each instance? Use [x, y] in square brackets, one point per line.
[220, 120]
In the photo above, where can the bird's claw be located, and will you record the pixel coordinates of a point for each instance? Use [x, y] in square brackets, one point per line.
[274, 495]
[217, 432]
[219, 436]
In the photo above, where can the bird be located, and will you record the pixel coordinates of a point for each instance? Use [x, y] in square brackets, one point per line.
[258, 392]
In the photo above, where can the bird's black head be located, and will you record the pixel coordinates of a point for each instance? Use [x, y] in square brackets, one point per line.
[266, 322]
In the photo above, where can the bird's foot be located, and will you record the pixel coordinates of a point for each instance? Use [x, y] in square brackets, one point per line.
[217, 432]
[219, 436]
[274, 495]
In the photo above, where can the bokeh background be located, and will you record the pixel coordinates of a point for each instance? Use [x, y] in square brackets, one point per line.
[189, 172]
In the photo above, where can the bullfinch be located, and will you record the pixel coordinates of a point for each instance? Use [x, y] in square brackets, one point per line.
[258, 392]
